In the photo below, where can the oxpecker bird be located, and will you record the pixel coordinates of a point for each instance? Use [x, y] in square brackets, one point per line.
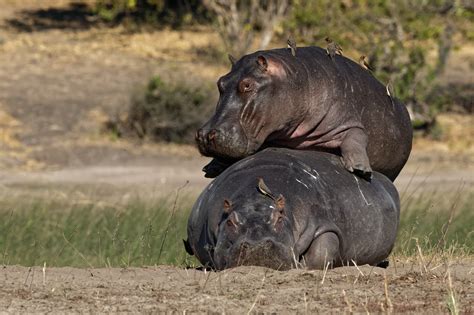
[263, 189]
[291, 45]
[389, 89]
[332, 48]
[390, 93]
[363, 63]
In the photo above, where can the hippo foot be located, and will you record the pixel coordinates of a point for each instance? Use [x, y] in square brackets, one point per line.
[214, 168]
[359, 165]
[354, 154]
[323, 252]
[363, 174]
[383, 264]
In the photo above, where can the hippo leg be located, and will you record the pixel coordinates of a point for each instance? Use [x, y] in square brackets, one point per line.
[323, 250]
[354, 152]
[215, 168]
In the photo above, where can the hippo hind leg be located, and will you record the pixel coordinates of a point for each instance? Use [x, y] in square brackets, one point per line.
[354, 153]
[323, 250]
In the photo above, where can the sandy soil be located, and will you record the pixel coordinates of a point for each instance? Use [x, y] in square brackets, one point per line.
[237, 291]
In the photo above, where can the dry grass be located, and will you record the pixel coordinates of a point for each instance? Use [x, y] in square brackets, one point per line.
[12, 151]
[8, 128]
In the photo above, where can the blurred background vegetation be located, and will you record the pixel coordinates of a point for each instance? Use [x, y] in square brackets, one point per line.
[407, 43]
[166, 111]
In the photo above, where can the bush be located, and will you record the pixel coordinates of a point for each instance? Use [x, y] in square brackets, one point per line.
[170, 112]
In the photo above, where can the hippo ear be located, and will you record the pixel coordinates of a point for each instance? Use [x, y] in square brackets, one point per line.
[271, 66]
[231, 59]
[280, 202]
[227, 206]
[233, 219]
[278, 216]
[262, 62]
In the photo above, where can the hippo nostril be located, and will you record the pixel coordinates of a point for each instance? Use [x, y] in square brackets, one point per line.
[200, 135]
[244, 246]
[211, 135]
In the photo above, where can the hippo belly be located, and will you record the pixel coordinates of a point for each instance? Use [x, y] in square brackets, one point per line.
[280, 208]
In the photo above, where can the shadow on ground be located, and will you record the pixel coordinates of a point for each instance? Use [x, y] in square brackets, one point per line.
[76, 16]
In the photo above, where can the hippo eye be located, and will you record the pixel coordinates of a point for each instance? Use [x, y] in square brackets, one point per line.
[245, 86]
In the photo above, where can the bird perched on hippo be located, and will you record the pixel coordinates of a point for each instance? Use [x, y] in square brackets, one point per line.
[307, 101]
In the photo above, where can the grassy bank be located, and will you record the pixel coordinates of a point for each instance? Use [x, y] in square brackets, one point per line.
[435, 223]
[150, 232]
[94, 235]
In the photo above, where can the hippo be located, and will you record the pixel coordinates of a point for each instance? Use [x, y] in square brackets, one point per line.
[309, 101]
[283, 208]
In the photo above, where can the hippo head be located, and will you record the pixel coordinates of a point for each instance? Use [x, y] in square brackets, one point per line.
[253, 99]
[257, 234]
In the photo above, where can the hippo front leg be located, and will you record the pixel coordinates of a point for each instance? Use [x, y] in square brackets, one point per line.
[215, 168]
[323, 252]
[354, 153]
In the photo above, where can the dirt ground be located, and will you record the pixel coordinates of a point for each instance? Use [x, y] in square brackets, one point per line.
[60, 80]
[403, 288]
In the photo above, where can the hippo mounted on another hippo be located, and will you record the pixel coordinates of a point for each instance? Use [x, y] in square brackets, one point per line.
[311, 102]
[280, 208]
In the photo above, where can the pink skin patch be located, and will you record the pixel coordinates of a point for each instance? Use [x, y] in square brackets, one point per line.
[306, 137]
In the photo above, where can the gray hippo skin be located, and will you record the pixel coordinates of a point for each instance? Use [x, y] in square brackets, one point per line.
[311, 211]
[311, 102]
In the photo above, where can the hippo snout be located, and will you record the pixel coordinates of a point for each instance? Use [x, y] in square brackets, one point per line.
[208, 140]
[227, 143]
[267, 253]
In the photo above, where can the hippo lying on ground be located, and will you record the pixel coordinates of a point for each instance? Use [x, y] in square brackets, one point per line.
[281, 207]
[308, 101]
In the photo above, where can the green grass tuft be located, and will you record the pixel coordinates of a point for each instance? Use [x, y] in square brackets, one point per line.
[144, 233]
[89, 235]
[439, 222]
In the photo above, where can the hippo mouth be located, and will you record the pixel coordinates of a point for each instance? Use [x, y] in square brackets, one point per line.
[264, 254]
[223, 144]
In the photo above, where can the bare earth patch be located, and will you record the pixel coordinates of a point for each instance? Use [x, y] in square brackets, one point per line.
[237, 291]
